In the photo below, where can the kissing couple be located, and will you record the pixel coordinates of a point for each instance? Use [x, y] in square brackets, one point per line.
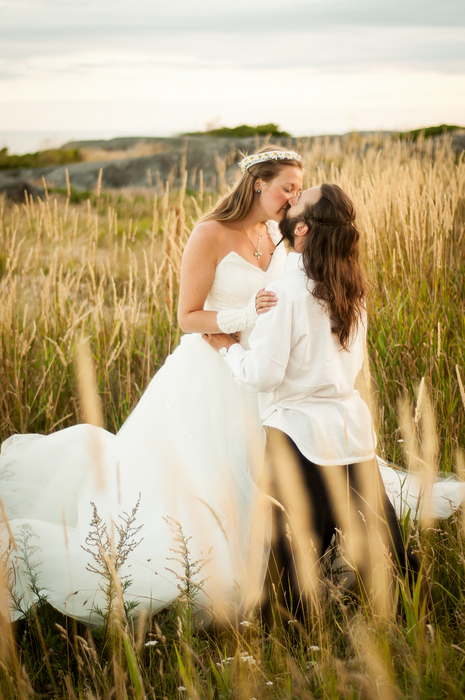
[187, 460]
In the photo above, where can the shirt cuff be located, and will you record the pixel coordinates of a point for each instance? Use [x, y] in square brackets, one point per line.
[232, 357]
[235, 350]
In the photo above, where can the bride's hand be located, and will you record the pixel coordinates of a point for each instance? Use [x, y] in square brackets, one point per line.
[264, 301]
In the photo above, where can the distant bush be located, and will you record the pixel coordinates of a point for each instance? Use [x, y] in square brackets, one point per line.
[243, 131]
[75, 196]
[428, 131]
[53, 156]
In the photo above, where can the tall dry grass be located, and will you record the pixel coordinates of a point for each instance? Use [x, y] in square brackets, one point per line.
[107, 270]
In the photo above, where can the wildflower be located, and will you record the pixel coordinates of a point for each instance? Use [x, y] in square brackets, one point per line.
[181, 687]
[151, 643]
[313, 648]
[269, 683]
[245, 623]
[227, 660]
[247, 657]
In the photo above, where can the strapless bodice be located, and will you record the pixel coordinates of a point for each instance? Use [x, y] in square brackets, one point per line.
[236, 280]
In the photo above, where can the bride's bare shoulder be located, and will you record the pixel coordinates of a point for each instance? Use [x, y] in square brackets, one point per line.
[209, 231]
[209, 236]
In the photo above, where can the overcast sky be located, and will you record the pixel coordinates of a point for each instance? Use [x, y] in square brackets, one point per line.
[151, 67]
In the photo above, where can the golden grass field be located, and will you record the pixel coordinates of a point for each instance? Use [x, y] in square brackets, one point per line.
[107, 269]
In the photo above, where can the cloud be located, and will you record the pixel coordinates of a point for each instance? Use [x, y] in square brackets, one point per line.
[321, 33]
[210, 15]
[401, 48]
[324, 33]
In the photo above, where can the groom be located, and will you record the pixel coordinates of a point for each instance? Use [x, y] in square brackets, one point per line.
[313, 414]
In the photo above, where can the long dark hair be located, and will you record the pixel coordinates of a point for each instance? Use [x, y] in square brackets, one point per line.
[330, 257]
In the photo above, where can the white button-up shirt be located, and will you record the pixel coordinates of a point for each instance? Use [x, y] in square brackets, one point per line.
[307, 379]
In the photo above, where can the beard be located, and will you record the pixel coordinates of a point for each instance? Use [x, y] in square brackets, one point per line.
[287, 227]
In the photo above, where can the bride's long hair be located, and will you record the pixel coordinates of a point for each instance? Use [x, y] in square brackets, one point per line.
[236, 205]
[330, 257]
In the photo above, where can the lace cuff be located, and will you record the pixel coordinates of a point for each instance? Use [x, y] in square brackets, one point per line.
[232, 320]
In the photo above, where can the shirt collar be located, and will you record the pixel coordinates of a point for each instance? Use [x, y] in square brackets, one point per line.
[292, 261]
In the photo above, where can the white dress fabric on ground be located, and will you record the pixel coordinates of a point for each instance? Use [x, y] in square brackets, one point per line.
[191, 450]
[418, 497]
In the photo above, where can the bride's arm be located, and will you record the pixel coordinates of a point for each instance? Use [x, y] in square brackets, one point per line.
[198, 267]
[206, 246]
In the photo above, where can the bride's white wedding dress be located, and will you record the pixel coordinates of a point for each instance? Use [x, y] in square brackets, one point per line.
[188, 450]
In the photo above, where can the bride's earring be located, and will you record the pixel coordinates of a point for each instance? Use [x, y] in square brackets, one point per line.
[259, 192]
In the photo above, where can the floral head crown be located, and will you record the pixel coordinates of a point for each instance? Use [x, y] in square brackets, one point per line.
[268, 155]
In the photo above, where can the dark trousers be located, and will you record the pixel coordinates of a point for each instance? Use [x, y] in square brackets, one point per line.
[336, 498]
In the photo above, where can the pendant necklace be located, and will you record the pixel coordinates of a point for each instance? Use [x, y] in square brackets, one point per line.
[257, 253]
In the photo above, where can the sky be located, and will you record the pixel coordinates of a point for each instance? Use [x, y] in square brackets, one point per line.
[133, 67]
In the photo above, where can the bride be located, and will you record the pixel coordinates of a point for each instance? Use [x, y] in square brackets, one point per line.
[182, 465]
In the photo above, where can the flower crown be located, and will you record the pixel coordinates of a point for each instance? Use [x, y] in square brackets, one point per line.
[268, 155]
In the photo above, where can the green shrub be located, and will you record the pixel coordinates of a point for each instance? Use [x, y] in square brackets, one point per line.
[243, 131]
[53, 156]
[428, 131]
